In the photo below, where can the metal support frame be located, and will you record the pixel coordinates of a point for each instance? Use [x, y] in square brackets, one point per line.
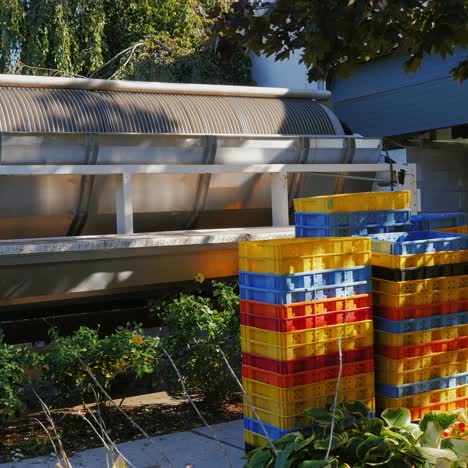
[279, 184]
[124, 205]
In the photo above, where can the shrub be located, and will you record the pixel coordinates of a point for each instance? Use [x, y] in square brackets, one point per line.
[13, 362]
[197, 328]
[126, 351]
[359, 441]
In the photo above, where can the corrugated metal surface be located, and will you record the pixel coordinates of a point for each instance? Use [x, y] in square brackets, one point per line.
[36, 110]
[381, 100]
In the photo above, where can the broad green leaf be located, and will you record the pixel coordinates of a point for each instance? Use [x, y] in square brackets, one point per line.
[432, 454]
[459, 446]
[355, 408]
[322, 416]
[314, 464]
[373, 426]
[305, 443]
[370, 443]
[397, 417]
[261, 459]
[444, 420]
[379, 455]
[282, 460]
[337, 441]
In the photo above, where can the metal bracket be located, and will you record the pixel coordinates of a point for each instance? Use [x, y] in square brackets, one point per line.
[348, 158]
[86, 187]
[204, 180]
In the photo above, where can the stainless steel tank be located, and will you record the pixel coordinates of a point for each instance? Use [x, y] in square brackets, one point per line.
[69, 121]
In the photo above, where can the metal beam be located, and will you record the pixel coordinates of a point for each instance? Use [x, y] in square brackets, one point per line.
[279, 200]
[124, 205]
[32, 170]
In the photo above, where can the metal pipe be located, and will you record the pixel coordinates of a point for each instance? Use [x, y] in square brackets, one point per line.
[24, 81]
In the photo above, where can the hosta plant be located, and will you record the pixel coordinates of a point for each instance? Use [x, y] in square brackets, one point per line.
[360, 441]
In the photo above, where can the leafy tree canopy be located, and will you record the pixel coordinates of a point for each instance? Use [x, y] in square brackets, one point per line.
[127, 39]
[336, 36]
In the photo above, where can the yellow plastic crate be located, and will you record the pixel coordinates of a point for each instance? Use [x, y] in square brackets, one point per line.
[419, 286]
[309, 336]
[290, 265]
[286, 353]
[303, 247]
[307, 392]
[399, 262]
[254, 439]
[304, 351]
[420, 337]
[455, 230]
[289, 422]
[424, 399]
[401, 378]
[421, 298]
[364, 201]
[296, 408]
[394, 366]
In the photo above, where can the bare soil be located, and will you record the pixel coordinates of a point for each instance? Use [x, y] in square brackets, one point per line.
[157, 413]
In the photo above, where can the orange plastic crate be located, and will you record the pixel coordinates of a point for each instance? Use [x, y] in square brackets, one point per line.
[409, 351]
[304, 323]
[306, 309]
[429, 310]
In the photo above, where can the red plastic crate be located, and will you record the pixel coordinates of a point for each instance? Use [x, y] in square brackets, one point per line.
[304, 323]
[405, 313]
[418, 413]
[402, 352]
[308, 364]
[307, 377]
[305, 309]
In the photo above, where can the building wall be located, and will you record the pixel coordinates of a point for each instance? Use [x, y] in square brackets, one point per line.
[442, 176]
[286, 74]
[380, 99]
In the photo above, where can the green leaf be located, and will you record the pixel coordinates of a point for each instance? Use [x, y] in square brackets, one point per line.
[370, 443]
[397, 417]
[373, 426]
[444, 420]
[323, 416]
[282, 460]
[314, 464]
[432, 454]
[260, 459]
[355, 408]
[459, 446]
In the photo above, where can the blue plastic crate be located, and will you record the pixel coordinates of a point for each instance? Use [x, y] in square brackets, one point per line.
[272, 296]
[398, 391]
[432, 221]
[408, 243]
[307, 231]
[353, 219]
[419, 324]
[273, 432]
[304, 280]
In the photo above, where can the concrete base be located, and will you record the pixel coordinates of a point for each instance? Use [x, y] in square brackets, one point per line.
[34, 271]
[195, 448]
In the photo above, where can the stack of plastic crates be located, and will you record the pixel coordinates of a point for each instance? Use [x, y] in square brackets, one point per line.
[301, 299]
[356, 214]
[444, 222]
[420, 286]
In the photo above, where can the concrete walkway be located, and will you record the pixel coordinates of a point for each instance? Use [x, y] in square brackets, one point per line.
[195, 448]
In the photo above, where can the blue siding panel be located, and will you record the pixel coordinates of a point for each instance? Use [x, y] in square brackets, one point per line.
[381, 100]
